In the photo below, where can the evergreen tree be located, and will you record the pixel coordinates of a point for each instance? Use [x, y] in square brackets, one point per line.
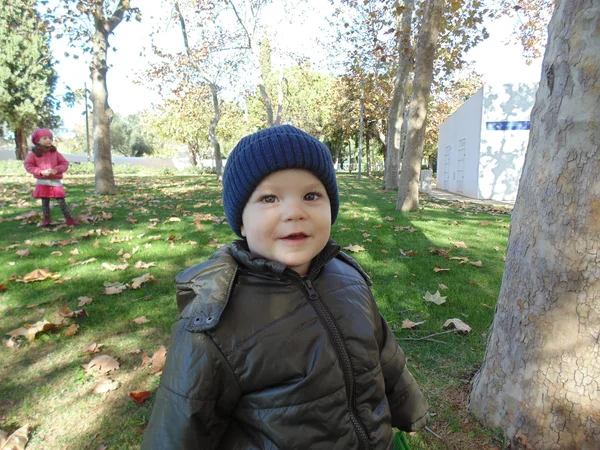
[27, 78]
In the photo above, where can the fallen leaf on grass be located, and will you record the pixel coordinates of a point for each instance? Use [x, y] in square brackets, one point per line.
[3, 287]
[476, 263]
[84, 301]
[101, 364]
[105, 385]
[462, 259]
[409, 324]
[440, 269]
[434, 298]
[16, 441]
[136, 283]
[72, 330]
[10, 343]
[113, 267]
[24, 253]
[142, 265]
[74, 252]
[460, 244]
[93, 348]
[141, 320]
[355, 248]
[458, 324]
[38, 275]
[408, 253]
[56, 253]
[31, 331]
[114, 287]
[139, 396]
[66, 312]
[442, 286]
[82, 263]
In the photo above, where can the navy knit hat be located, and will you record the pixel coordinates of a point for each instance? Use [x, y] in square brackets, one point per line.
[270, 150]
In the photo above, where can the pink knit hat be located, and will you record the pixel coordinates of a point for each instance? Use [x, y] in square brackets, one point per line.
[40, 133]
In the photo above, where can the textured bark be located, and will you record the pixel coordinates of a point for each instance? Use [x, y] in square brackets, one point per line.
[408, 185]
[540, 380]
[20, 143]
[101, 116]
[212, 132]
[398, 105]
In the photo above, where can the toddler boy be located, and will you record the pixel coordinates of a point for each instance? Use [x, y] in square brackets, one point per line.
[280, 344]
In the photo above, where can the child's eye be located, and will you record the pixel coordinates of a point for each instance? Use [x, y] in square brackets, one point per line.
[312, 196]
[268, 199]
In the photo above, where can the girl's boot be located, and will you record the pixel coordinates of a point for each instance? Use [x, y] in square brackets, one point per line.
[47, 221]
[72, 222]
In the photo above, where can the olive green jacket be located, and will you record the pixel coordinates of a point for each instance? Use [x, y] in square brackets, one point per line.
[262, 358]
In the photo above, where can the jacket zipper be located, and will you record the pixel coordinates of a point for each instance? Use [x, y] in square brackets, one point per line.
[342, 352]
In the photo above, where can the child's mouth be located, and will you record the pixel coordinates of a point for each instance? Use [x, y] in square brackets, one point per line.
[296, 236]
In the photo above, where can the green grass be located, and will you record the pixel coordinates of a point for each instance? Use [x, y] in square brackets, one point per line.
[43, 384]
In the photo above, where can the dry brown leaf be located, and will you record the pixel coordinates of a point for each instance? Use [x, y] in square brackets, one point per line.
[101, 364]
[458, 324]
[460, 244]
[93, 348]
[409, 324]
[485, 223]
[24, 253]
[84, 301]
[385, 252]
[139, 396]
[136, 283]
[142, 265]
[476, 263]
[10, 343]
[38, 275]
[440, 269]
[459, 258]
[141, 320]
[442, 286]
[113, 267]
[74, 252]
[72, 330]
[104, 385]
[158, 359]
[83, 263]
[3, 287]
[16, 441]
[66, 312]
[355, 248]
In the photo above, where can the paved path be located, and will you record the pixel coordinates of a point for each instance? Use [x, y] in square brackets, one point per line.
[451, 196]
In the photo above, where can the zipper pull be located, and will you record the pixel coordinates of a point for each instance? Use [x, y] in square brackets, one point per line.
[312, 293]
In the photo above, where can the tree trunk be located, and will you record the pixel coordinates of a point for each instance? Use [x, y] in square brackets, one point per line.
[540, 378]
[368, 150]
[20, 143]
[212, 131]
[398, 106]
[408, 185]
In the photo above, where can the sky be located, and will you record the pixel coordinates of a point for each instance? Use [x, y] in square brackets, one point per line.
[497, 60]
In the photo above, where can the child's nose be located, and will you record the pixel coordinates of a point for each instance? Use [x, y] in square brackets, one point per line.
[293, 210]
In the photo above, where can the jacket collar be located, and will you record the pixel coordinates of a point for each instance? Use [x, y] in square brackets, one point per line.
[242, 254]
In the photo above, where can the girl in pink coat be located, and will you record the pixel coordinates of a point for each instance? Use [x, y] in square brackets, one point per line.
[47, 165]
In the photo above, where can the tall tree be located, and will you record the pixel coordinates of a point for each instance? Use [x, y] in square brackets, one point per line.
[88, 24]
[539, 379]
[408, 185]
[27, 78]
[398, 104]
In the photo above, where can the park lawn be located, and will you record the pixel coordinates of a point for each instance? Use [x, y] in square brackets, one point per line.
[172, 222]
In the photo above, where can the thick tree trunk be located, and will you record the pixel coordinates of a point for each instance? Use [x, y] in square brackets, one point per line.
[212, 132]
[101, 113]
[398, 106]
[540, 381]
[20, 143]
[408, 185]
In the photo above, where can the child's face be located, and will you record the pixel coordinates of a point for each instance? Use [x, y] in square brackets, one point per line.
[288, 218]
[45, 141]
